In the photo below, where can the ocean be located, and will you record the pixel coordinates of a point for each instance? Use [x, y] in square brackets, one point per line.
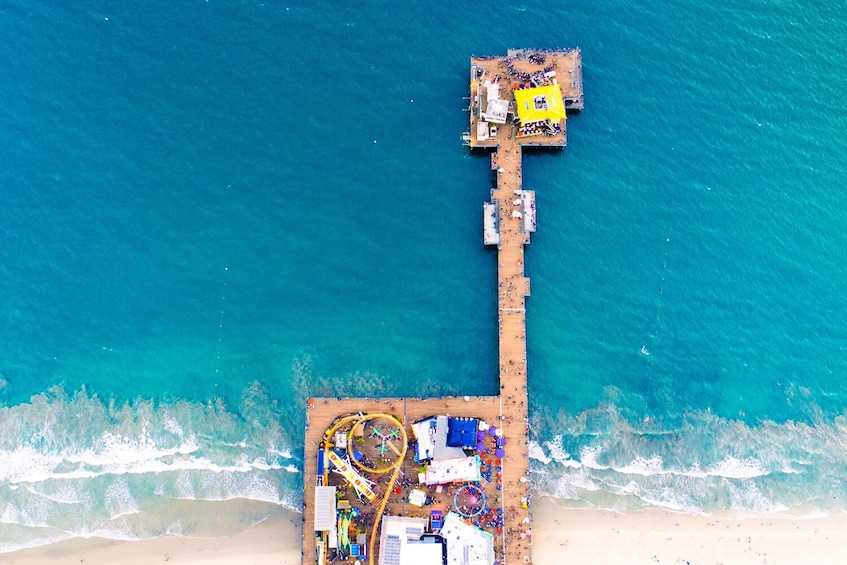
[212, 210]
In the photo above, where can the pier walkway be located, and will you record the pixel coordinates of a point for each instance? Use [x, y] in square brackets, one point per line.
[515, 101]
[513, 288]
[533, 117]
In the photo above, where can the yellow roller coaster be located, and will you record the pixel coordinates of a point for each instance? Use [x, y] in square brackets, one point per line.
[393, 467]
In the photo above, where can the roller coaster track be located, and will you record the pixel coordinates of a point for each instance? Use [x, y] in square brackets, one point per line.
[394, 468]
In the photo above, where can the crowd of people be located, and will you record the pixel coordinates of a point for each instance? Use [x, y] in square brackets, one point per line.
[542, 127]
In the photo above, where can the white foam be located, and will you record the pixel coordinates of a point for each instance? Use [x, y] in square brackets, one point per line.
[568, 485]
[641, 466]
[692, 465]
[25, 463]
[119, 500]
[219, 487]
[558, 452]
[116, 450]
[554, 452]
[536, 452]
[8, 546]
[78, 466]
[284, 453]
[171, 425]
[11, 514]
[174, 529]
[745, 495]
[733, 468]
[667, 499]
[631, 488]
[185, 485]
[63, 492]
[589, 454]
[28, 466]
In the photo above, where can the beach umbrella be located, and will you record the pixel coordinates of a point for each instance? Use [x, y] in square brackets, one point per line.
[492, 431]
[499, 452]
[480, 435]
[480, 446]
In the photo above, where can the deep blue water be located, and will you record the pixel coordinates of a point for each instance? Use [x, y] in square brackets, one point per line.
[212, 210]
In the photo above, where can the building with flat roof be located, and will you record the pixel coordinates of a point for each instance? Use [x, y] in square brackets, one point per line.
[404, 541]
[466, 544]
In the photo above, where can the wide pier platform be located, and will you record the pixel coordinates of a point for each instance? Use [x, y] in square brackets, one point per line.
[447, 479]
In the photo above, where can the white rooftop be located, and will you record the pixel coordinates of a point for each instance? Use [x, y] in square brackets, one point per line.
[324, 509]
[466, 544]
[496, 111]
[446, 471]
[400, 542]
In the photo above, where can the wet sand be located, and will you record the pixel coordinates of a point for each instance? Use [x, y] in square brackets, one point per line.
[560, 535]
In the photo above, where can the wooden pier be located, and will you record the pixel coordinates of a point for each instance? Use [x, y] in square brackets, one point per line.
[515, 101]
[533, 75]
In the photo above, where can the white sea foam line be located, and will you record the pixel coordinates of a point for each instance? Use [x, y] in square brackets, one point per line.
[148, 466]
[734, 468]
[111, 448]
[75, 499]
[589, 455]
[641, 466]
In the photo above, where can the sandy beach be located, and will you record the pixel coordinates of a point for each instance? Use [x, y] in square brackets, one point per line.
[659, 536]
[275, 540]
[561, 535]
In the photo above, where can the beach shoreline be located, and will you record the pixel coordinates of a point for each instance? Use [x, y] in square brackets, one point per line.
[654, 535]
[560, 534]
[222, 539]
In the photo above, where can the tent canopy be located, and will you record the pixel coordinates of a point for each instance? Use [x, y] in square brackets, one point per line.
[540, 103]
[461, 432]
[431, 437]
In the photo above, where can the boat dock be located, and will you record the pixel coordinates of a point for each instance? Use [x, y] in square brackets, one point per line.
[365, 469]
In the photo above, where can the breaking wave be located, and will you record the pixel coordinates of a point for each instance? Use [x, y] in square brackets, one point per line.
[78, 466]
[706, 463]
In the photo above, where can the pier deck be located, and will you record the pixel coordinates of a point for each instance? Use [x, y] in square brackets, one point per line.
[322, 411]
[513, 288]
[503, 75]
[496, 79]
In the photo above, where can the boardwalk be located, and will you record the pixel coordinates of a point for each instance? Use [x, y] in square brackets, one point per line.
[503, 75]
[513, 288]
[495, 124]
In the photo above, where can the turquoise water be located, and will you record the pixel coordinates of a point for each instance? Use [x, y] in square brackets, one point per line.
[213, 210]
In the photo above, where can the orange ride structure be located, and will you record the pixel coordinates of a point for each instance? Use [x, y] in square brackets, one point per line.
[386, 480]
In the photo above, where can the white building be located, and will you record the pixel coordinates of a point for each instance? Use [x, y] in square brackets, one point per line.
[402, 542]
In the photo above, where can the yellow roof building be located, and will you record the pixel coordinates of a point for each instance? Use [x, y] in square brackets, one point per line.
[540, 103]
